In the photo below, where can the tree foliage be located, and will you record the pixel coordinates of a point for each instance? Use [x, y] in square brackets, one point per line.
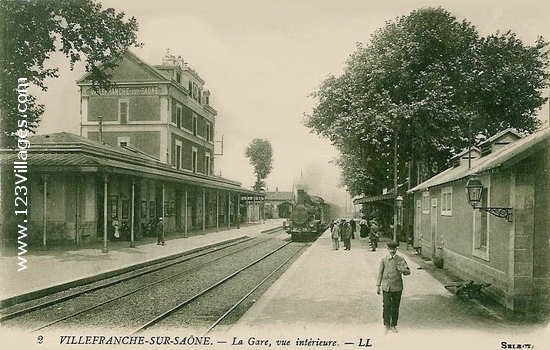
[426, 82]
[260, 154]
[30, 31]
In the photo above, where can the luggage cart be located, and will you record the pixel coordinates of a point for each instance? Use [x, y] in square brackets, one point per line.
[468, 289]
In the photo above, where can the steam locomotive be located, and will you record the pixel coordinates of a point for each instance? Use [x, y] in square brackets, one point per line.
[308, 218]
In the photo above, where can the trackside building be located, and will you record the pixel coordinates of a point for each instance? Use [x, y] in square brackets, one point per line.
[511, 253]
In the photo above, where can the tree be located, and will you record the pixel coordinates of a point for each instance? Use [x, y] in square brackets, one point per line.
[417, 92]
[30, 31]
[260, 155]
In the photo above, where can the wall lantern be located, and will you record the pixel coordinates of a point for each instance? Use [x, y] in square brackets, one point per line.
[474, 189]
[399, 201]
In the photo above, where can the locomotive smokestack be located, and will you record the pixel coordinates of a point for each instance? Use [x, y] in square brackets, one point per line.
[301, 197]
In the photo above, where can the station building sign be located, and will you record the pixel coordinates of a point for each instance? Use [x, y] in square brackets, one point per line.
[130, 90]
[249, 198]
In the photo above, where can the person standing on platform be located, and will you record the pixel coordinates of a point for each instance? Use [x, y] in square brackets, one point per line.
[346, 234]
[390, 282]
[160, 232]
[363, 228]
[116, 229]
[373, 235]
[335, 235]
[353, 225]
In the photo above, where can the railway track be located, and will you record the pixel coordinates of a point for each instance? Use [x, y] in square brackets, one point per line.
[219, 302]
[56, 298]
[127, 301]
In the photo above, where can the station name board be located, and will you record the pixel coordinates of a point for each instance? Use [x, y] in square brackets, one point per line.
[252, 198]
[143, 90]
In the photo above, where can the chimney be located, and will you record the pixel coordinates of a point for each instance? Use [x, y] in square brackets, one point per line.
[168, 60]
[180, 62]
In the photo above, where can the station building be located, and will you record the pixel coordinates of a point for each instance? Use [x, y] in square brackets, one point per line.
[146, 151]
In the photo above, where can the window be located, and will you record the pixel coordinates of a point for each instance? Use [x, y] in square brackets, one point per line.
[207, 163]
[194, 160]
[125, 209]
[447, 201]
[171, 208]
[178, 77]
[123, 141]
[178, 155]
[113, 207]
[208, 132]
[178, 116]
[484, 219]
[481, 228]
[143, 210]
[425, 202]
[195, 92]
[123, 110]
[195, 124]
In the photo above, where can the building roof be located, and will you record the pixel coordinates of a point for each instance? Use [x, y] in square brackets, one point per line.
[385, 196]
[502, 158]
[500, 135]
[372, 199]
[279, 196]
[132, 56]
[465, 152]
[154, 75]
[62, 152]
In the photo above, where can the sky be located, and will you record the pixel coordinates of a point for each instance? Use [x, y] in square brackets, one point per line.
[261, 61]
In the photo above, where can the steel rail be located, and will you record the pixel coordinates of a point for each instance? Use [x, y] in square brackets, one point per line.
[252, 291]
[95, 306]
[144, 270]
[204, 291]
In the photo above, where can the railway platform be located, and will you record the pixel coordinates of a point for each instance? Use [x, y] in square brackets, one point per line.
[64, 267]
[329, 295]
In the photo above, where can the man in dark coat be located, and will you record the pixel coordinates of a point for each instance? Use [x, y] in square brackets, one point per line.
[374, 233]
[353, 225]
[346, 234]
[160, 232]
[363, 227]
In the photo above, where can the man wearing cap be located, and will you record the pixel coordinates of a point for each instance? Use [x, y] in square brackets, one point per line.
[373, 235]
[346, 234]
[391, 283]
[160, 232]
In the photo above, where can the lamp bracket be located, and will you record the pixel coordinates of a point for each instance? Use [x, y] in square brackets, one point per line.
[505, 213]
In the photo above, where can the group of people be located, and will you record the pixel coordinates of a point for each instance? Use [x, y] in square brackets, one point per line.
[119, 232]
[392, 267]
[342, 230]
